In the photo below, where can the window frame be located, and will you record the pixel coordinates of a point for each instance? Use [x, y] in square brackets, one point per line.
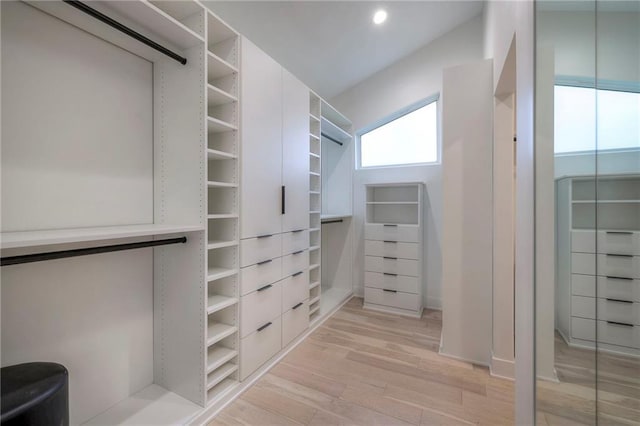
[394, 116]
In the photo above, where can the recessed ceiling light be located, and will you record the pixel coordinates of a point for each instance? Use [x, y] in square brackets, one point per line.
[380, 16]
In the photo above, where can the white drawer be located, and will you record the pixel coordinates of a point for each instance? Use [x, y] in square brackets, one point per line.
[391, 282]
[582, 328]
[583, 307]
[295, 289]
[619, 242]
[254, 250]
[406, 233]
[619, 310]
[376, 296]
[295, 241]
[392, 266]
[583, 285]
[295, 262]
[619, 288]
[261, 274]
[613, 334]
[391, 248]
[583, 241]
[295, 322]
[260, 307]
[619, 266]
[259, 346]
[583, 263]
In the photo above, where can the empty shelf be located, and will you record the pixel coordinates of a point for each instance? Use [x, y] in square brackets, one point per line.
[221, 389]
[218, 67]
[216, 303]
[314, 266]
[314, 155]
[217, 356]
[314, 300]
[218, 331]
[387, 203]
[314, 285]
[218, 126]
[312, 248]
[213, 154]
[314, 192]
[222, 216]
[314, 229]
[335, 216]
[314, 310]
[211, 245]
[216, 96]
[316, 137]
[334, 131]
[215, 273]
[220, 374]
[214, 184]
[313, 117]
[314, 174]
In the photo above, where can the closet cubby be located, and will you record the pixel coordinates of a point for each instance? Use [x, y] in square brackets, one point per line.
[224, 171]
[314, 145]
[222, 231]
[188, 13]
[222, 40]
[315, 204]
[222, 201]
[221, 324]
[222, 293]
[222, 145]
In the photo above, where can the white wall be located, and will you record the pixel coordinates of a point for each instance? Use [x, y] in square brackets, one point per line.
[409, 80]
[504, 20]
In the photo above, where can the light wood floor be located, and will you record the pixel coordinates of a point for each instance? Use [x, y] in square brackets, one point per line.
[367, 368]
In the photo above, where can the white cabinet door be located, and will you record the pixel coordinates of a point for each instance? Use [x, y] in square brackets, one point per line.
[295, 153]
[261, 159]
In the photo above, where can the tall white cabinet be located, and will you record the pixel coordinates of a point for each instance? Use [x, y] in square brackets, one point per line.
[274, 249]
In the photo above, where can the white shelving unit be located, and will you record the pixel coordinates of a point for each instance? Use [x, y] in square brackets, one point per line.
[222, 280]
[315, 203]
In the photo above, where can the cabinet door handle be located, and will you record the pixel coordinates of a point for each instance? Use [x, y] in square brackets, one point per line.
[390, 224]
[264, 262]
[389, 291]
[619, 255]
[620, 232]
[297, 273]
[390, 274]
[388, 257]
[264, 236]
[297, 252]
[297, 306]
[297, 230]
[392, 242]
[619, 300]
[268, 286]
[264, 326]
[611, 277]
[620, 323]
[284, 195]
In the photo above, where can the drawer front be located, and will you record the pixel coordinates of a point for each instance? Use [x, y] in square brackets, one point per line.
[391, 248]
[619, 242]
[619, 266]
[619, 310]
[583, 241]
[612, 334]
[295, 289]
[259, 346]
[583, 285]
[380, 232]
[583, 307]
[583, 263]
[295, 263]
[295, 322]
[582, 328]
[295, 241]
[254, 250]
[391, 282]
[256, 276]
[618, 288]
[398, 300]
[392, 266]
[260, 307]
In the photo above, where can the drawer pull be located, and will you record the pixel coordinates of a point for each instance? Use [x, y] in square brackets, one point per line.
[611, 277]
[264, 236]
[264, 326]
[619, 300]
[297, 230]
[620, 323]
[390, 274]
[297, 252]
[392, 242]
[266, 287]
[390, 224]
[297, 306]
[297, 273]
[264, 262]
[619, 255]
[620, 232]
[389, 291]
[392, 258]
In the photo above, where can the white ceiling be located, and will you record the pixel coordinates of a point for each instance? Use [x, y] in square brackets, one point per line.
[333, 45]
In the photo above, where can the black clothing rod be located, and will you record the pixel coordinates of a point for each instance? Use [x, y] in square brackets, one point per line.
[39, 257]
[332, 221]
[126, 30]
[332, 139]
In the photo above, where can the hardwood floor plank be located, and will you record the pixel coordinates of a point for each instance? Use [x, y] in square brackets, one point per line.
[262, 397]
[376, 401]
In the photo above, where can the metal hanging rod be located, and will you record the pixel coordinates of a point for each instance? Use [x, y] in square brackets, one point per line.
[39, 257]
[331, 221]
[124, 29]
[331, 139]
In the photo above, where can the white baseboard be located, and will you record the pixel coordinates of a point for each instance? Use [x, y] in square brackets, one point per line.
[503, 368]
[459, 358]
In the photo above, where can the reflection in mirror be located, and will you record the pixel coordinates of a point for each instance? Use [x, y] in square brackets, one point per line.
[588, 212]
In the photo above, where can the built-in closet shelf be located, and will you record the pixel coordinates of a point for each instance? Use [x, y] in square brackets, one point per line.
[214, 184]
[393, 203]
[222, 216]
[215, 273]
[216, 96]
[314, 266]
[314, 285]
[334, 131]
[218, 67]
[312, 248]
[314, 174]
[313, 117]
[311, 154]
[334, 216]
[218, 126]
[212, 245]
[178, 9]
[217, 303]
[221, 389]
[213, 154]
[220, 374]
[218, 356]
[314, 192]
[314, 212]
[218, 30]
[314, 229]
[314, 310]
[316, 137]
[606, 201]
[218, 331]
[28, 239]
[314, 300]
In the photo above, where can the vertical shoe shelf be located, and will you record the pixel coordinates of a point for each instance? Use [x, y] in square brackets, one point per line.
[222, 208]
[315, 200]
